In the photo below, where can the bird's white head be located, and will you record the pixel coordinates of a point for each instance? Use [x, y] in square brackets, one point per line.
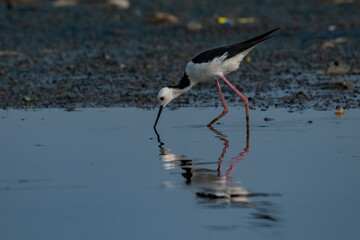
[166, 95]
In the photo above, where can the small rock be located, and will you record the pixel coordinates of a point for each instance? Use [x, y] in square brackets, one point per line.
[310, 122]
[164, 18]
[336, 67]
[65, 3]
[332, 43]
[122, 66]
[244, 20]
[332, 28]
[268, 119]
[27, 99]
[301, 96]
[194, 26]
[70, 96]
[356, 71]
[337, 85]
[340, 111]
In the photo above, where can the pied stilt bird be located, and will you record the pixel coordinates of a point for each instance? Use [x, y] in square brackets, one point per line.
[210, 65]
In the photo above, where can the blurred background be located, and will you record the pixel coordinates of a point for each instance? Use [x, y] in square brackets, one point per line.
[78, 53]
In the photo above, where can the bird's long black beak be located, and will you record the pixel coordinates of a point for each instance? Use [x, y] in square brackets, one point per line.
[158, 116]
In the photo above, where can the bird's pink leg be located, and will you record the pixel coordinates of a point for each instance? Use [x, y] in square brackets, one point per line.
[226, 109]
[246, 102]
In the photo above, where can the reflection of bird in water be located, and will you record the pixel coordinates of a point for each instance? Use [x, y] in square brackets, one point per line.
[226, 189]
[213, 187]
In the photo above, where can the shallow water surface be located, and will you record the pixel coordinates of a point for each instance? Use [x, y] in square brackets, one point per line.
[105, 174]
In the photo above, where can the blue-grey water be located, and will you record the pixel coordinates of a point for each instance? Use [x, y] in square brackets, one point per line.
[105, 174]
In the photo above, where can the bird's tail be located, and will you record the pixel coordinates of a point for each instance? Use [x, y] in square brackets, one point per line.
[256, 40]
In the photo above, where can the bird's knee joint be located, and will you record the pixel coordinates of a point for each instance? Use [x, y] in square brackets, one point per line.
[246, 102]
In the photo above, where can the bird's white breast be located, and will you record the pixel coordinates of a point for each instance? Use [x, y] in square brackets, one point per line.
[219, 66]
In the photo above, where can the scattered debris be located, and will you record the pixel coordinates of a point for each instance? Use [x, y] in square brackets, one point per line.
[225, 21]
[49, 66]
[337, 2]
[333, 43]
[194, 26]
[335, 68]
[229, 22]
[11, 53]
[246, 20]
[336, 85]
[121, 4]
[163, 18]
[65, 3]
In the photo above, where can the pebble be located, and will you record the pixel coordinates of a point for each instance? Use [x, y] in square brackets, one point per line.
[340, 111]
[121, 4]
[164, 18]
[302, 96]
[194, 26]
[65, 3]
[268, 119]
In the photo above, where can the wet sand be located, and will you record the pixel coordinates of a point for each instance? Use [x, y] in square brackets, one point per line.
[93, 55]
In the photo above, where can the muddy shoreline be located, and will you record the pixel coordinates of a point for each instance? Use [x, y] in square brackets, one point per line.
[93, 55]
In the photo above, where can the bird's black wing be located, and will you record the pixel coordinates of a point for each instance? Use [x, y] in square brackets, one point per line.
[231, 50]
[184, 82]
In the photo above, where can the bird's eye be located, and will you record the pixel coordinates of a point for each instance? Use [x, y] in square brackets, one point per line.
[161, 98]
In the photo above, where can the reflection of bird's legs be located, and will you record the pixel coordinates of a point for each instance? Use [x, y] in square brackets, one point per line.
[234, 160]
[226, 146]
[222, 137]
